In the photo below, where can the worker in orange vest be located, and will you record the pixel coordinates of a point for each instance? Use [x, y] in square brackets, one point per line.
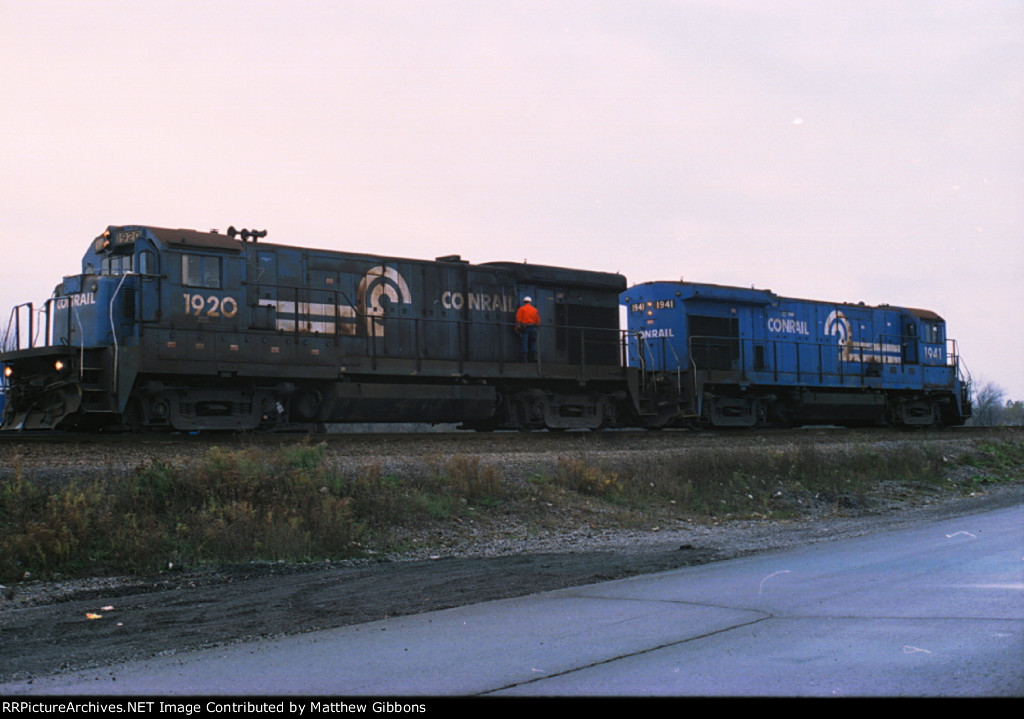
[527, 323]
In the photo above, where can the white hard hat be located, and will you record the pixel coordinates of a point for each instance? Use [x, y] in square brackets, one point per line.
[527, 299]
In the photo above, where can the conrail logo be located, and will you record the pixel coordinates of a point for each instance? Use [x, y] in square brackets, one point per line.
[837, 324]
[376, 284]
[849, 351]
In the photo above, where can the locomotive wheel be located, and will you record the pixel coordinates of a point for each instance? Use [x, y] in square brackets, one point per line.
[306, 404]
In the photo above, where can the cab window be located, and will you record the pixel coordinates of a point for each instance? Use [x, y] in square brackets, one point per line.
[931, 333]
[147, 262]
[116, 264]
[200, 271]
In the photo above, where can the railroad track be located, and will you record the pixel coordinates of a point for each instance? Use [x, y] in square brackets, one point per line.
[411, 438]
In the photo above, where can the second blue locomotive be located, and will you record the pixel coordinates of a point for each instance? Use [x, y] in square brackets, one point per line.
[728, 356]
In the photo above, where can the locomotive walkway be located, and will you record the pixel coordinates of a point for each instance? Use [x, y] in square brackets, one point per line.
[934, 610]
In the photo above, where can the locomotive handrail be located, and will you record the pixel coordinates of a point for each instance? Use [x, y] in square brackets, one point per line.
[12, 323]
[113, 332]
[81, 339]
[41, 326]
[963, 375]
[645, 353]
[730, 353]
[708, 345]
[642, 350]
[12, 343]
[675, 356]
[299, 315]
[581, 338]
[48, 332]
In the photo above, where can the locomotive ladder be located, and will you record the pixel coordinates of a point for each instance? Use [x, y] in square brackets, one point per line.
[95, 393]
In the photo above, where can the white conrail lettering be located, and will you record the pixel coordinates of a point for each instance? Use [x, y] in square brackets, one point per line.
[656, 334]
[787, 325]
[478, 301]
[77, 300]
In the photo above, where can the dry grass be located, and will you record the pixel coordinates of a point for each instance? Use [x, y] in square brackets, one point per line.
[290, 504]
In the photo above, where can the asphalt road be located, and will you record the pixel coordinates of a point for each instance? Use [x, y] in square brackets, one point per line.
[932, 611]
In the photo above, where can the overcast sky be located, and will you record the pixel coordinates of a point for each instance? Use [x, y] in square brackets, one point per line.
[845, 151]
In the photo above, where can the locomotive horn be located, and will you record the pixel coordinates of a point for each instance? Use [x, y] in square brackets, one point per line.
[246, 234]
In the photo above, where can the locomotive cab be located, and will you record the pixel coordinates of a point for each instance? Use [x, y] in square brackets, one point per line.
[61, 361]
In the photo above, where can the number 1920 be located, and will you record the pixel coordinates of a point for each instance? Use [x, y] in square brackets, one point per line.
[210, 306]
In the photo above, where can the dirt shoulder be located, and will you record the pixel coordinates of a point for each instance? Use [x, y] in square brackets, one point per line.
[45, 627]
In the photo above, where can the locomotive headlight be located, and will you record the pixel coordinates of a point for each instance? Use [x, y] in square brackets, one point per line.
[58, 365]
[8, 371]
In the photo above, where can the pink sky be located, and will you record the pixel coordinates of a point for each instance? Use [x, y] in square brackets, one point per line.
[848, 151]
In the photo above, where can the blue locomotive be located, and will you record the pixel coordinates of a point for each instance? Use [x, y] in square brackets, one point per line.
[727, 356]
[188, 330]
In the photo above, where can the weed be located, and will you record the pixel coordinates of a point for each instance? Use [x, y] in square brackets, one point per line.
[579, 475]
[249, 503]
[999, 460]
